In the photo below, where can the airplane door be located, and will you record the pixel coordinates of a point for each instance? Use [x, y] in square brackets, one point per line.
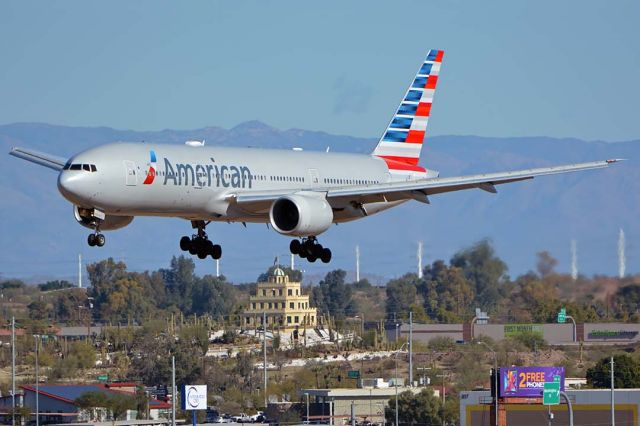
[314, 178]
[130, 170]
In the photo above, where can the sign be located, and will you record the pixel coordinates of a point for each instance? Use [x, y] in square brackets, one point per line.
[512, 330]
[353, 374]
[194, 397]
[612, 335]
[562, 316]
[528, 381]
[551, 393]
[103, 378]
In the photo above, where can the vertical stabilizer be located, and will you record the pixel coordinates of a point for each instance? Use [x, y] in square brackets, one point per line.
[401, 143]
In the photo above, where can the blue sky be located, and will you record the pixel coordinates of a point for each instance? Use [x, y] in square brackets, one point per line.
[511, 68]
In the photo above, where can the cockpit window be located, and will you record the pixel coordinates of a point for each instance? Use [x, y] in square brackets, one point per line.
[85, 167]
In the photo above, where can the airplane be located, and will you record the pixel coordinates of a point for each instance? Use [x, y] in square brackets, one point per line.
[298, 193]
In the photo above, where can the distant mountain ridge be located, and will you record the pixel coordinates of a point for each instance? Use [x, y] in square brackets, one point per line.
[40, 237]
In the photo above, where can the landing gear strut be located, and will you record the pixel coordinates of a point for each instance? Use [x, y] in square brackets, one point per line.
[96, 239]
[199, 244]
[310, 249]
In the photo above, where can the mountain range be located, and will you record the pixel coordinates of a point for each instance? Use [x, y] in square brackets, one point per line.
[40, 238]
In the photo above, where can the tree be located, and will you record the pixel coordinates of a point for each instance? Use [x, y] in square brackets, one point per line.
[546, 264]
[180, 280]
[90, 401]
[55, 285]
[484, 270]
[332, 295]
[423, 408]
[401, 294]
[213, 296]
[626, 372]
[38, 310]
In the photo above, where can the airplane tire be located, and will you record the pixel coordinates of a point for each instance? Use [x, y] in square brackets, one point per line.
[295, 246]
[91, 240]
[185, 243]
[312, 258]
[317, 250]
[100, 240]
[326, 255]
[216, 251]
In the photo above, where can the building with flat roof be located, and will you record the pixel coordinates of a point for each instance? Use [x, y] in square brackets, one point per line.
[283, 303]
[334, 405]
[590, 407]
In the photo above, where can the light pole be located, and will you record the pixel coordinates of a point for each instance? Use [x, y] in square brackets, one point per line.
[37, 338]
[495, 381]
[395, 381]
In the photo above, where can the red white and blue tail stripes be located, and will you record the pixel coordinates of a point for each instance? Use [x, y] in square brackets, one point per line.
[401, 143]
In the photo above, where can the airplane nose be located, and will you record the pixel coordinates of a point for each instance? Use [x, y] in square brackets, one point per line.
[71, 187]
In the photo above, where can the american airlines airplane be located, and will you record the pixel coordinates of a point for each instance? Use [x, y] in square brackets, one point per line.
[300, 194]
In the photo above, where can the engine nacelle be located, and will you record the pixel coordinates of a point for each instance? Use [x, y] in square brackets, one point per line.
[300, 215]
[87, 218]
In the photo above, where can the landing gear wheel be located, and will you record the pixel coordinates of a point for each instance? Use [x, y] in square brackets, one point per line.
[312, 258]
[100, 240]
[317, 250]
[216, 251]
[185, 243]
[326, 255]
[295, 247]
[91, 240]
[303, 254]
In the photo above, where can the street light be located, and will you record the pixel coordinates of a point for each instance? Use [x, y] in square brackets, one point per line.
[395, 381]
[495, 381]
[37, 339]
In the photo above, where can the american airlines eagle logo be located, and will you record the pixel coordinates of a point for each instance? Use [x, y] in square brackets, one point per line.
[151, 173]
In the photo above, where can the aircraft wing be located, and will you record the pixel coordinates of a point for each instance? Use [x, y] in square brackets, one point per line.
[41, 158]
[415, 189]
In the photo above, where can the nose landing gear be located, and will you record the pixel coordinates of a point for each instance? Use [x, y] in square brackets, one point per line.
[96, 239]
[200, 245]
[310, 249]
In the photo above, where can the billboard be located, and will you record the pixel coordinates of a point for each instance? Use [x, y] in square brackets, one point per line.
[528, 381]
[513, 330]
[194, 397]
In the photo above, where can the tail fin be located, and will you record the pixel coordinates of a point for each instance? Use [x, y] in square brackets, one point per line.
[402, 141]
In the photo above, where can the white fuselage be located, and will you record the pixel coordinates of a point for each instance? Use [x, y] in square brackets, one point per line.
[198, 182]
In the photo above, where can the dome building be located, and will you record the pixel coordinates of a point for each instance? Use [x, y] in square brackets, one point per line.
[283, 303]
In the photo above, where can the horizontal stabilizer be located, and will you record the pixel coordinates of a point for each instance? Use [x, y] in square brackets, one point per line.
[41, 158]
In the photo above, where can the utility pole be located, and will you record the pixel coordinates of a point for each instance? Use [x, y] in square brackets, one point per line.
[37, 338]
[574, 260]
[613, 397]
[79, 271]
[264, 351]
[357, 263]
[419, 255]
[173, 391]
[293, 262]
[411, 348]
[13, 371]
[217, 267]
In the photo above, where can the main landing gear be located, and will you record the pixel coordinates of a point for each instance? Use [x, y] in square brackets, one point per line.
[310, 249]
[200, 245]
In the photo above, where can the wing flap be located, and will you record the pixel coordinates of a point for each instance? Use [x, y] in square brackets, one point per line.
[37, 157]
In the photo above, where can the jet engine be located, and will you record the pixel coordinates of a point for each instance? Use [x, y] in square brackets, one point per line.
[300, 215]
[87, 218]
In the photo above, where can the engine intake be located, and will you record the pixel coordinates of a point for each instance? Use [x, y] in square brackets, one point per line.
[300, 215]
